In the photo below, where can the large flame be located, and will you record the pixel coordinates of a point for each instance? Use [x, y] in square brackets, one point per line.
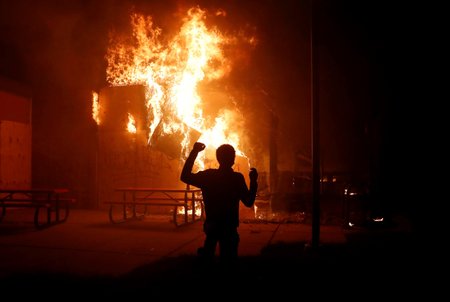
[171, 74]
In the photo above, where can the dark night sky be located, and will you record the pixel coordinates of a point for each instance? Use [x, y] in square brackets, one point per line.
[57, 48]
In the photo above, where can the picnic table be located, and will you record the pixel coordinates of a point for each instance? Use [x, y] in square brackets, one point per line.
[51, 205]
[135, 202]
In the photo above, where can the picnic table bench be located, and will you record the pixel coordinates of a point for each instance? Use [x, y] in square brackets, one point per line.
[135, 201]
[51, 206]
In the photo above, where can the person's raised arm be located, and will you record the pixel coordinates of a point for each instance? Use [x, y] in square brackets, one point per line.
[186, 173]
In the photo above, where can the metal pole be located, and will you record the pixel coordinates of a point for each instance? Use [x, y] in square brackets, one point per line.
[315, 131]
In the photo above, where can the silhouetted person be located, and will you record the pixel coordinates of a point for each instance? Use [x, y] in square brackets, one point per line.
[222, 191]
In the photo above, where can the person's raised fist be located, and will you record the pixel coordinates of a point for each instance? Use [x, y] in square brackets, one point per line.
[253, 174]
[198, 146]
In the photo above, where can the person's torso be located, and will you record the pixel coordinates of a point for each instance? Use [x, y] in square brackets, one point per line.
[222, 191]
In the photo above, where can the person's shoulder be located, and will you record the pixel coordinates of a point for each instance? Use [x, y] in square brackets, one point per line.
[238, 174]
[208, 171]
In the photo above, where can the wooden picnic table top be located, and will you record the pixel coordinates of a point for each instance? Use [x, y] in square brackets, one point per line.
[35, 190]
[148, 189]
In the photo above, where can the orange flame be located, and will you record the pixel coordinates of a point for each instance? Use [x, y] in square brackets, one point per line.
[95, 107]
[131, 126]
[171, 74]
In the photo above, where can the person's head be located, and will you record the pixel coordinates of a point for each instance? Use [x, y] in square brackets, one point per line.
[225, 155]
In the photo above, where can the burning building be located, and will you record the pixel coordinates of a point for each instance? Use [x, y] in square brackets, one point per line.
[162, 98]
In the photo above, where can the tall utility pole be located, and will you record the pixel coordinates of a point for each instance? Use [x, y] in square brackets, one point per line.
[315, 130]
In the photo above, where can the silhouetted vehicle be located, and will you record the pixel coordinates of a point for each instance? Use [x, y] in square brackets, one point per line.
[293, 193]
[360, 207]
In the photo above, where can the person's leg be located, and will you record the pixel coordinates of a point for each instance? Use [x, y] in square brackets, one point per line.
[209, 245]
[228, 246]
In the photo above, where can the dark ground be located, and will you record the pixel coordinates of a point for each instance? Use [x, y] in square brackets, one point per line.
[376, 267]
[380, 262]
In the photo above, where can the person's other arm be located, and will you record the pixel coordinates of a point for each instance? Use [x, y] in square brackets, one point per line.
[186, 173]
[250, 196]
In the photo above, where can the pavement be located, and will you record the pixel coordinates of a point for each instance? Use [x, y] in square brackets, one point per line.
[152, 256]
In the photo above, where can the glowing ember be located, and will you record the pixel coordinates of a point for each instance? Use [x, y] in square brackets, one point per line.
[198, 211]
[171, 74]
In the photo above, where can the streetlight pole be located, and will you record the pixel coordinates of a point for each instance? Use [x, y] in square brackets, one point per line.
[315, 130]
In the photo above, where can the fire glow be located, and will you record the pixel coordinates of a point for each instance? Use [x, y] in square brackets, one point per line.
[131, 126]
[171, 73]
[95, 108]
